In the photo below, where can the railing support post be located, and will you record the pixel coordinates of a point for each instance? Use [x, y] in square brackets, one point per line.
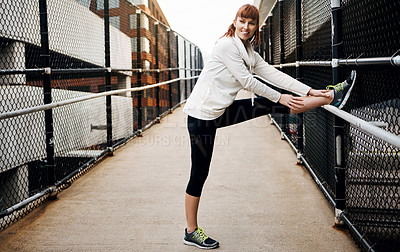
[177, 64]
[48, 114]
[340, 199]
[299, 77]
[139, 66]
[108, 73]
[285, 117]
[191, 67]
[169, 71]
[156, 27]
[270, 41]
[185, 63]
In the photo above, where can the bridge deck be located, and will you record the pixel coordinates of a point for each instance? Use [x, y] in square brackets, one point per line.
[255, 199]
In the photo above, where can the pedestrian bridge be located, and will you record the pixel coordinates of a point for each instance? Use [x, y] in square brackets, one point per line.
[257, 198]
[95, 88]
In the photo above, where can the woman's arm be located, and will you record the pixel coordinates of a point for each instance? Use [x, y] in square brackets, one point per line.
[228, 54]
[278, 78]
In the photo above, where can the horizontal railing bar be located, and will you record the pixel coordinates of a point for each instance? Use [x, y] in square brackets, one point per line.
[25, 202]
[88, 70]
[368, 127]
[81, 70]
[365, 244]
[21, 71]
[152, 70]
[304, 63]
[143, 70]
[394, 61]
[84, 98]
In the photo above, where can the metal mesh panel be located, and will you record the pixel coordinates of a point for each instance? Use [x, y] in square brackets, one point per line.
[292, 120]
[319, 134]
[316, 29]
[275, 39]
[373, 191]
[21, 138]
[289, 30]
[371, 28]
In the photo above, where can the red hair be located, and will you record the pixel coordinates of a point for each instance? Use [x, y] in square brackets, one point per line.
[247, 11]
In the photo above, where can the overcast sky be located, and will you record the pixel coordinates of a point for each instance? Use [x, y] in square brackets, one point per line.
[201, 21]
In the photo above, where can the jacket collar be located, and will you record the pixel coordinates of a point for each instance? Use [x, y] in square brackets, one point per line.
[246, 52]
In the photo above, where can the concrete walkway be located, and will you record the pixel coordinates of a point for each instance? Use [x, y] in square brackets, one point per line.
[255, 199]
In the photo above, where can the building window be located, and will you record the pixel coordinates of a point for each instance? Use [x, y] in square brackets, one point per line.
[114, 21]
[144, 21]
[146, 64]
[85, 3]
[145, 44]
[134, 44]
[112, 4]
[138, 2]
[132, 21]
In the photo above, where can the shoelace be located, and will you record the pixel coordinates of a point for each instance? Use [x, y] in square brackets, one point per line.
[339, 87]
[200, 236]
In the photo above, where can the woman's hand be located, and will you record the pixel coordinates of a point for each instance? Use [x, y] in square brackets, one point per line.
[291, 101]
[321, 93]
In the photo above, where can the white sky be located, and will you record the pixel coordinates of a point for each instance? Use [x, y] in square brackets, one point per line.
[201, 21]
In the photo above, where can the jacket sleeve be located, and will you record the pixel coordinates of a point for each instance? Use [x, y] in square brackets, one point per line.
[229, 55]
[278, 78]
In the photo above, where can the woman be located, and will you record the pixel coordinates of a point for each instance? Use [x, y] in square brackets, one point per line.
[212, 103]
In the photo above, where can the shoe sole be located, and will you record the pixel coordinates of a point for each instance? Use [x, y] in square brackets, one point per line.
[197, 245]
[346, 97]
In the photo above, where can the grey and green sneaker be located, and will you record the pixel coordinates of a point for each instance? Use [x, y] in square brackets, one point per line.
[341, 91]
[199, 239]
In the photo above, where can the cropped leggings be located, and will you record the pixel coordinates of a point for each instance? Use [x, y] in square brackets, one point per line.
[202, 135]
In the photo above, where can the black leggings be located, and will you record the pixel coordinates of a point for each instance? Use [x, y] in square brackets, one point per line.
[202, 135]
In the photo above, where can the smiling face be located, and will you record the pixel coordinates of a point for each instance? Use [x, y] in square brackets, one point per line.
[245, 28]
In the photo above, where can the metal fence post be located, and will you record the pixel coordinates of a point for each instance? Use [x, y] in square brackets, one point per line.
[281, 33]
[340, 199]
[48, 114]
[157, 72]
[169, 71]
[191, 67]
[270, 50]
[299, 77]
[139, 65]
[108, 73]
[285, 117]
[177, 64]
[185, 63]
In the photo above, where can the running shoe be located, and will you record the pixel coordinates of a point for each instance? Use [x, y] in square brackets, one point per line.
[199, 239]
[341, 91]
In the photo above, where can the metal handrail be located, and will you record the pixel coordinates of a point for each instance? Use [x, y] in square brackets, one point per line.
[25, 111]
[393, 61]
[366, 126]
[49, 70]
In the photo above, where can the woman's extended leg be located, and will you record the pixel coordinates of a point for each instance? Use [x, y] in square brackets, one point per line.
[312, 102]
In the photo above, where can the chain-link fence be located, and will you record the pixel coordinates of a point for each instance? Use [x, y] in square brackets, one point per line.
[355, 162]
[65, 54]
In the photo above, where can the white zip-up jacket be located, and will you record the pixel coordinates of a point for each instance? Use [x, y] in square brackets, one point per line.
[228, 71]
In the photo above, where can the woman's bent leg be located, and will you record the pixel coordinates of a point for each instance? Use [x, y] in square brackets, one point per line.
[191, 208]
